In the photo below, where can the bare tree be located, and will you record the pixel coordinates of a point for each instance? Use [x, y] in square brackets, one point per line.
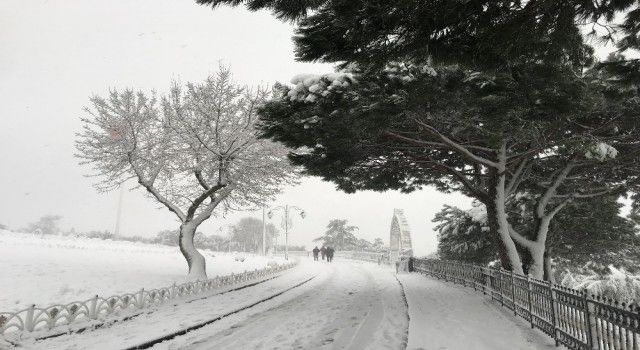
[193, 150]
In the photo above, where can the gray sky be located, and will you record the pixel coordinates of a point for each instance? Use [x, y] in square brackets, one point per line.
[55, 54]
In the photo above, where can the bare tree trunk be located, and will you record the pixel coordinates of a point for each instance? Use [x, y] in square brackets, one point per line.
[195, 260]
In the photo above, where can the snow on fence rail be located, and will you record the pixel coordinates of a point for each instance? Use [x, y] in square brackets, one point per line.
[34, 318]
[569, 316]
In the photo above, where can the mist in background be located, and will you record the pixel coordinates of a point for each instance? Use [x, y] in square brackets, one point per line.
[55, 54]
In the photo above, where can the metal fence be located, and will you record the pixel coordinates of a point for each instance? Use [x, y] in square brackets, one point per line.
[34, 318]
[571, 317]
[379, 258]
[299, 253]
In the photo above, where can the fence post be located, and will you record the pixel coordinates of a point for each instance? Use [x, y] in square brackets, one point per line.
[513, 293]
[474, 276]
[500, 287]
[444, 271]
[590, 319]
[141, 299]
[29, 322]
[490, 282]
[554, 313]
[483, 278]
[93, 308]
[529, 301]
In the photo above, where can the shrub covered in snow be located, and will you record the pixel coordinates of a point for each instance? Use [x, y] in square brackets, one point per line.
[617, 284]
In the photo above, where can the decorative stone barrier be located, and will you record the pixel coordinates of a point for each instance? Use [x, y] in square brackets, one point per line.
[35, 318]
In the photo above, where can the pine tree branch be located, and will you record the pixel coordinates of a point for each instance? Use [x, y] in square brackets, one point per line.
[458, 147]
[477, 192]
[551, 190]
[520, 239]
[516, 179]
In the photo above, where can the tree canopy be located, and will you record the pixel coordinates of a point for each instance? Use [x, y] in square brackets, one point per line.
[482, 97]
[483, 33]
[193, 150]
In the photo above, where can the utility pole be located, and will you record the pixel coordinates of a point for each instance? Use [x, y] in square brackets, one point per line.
[116, 231]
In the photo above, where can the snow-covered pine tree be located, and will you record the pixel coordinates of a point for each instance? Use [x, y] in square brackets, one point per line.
[526, 60]
[586, 237]
[339, 235]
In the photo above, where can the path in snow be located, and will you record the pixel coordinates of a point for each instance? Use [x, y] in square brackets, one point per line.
[447, 316]
[344, 305]
[357, 306]
[168, 318]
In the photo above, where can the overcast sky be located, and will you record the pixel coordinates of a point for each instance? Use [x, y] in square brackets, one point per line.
[55, 54]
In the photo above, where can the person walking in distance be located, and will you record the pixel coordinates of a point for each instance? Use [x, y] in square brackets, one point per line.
[323, 252]
[315, 253]
[330, 252]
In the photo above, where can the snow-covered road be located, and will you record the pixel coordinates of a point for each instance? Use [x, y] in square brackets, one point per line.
[353, 306]
[317, 305]
[343, 305]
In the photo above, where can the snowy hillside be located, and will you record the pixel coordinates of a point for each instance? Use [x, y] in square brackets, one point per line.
[55, 269]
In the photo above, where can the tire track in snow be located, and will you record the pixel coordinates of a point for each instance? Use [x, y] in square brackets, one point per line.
[184, 331]
[355, 307]
[111, 323]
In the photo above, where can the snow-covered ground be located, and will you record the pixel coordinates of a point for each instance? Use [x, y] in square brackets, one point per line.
[44, 270]
[448, 316]
[319, 305]
[343, 306]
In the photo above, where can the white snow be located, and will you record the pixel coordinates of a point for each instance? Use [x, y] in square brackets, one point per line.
[310, 87]
[447, 316]
[618, 284]
[342, 305]
[478, 212]
[601, 151]
[46, 270]
[346, 305]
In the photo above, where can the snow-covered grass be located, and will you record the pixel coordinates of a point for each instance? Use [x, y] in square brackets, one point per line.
[618, 284]
[45, 270]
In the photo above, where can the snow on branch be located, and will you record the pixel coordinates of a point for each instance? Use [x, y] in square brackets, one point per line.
[188, 149]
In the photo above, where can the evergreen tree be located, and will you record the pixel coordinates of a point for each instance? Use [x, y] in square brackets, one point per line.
[483, 33]
[587, 236]
[248, 233]
[339, 235]
[463, 235]
[513, 91]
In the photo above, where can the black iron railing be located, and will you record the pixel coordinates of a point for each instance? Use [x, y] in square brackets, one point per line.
[571, 317]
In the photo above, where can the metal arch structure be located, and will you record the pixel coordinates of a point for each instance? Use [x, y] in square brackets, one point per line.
[400, 237]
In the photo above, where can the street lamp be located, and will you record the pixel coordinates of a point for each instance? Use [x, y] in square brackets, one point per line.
[287, 209]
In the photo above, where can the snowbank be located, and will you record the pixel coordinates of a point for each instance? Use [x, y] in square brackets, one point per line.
[56, 269]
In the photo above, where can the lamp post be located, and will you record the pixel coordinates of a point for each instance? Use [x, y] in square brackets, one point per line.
[287, 209]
